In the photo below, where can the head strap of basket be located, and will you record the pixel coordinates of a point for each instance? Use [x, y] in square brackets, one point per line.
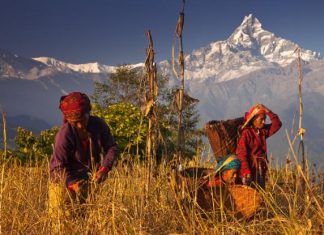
[223, 136]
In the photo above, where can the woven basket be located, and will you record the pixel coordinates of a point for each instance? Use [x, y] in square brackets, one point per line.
[195, 178]
[223, 135]
[244, 200]
[194, 183]
[239, 200]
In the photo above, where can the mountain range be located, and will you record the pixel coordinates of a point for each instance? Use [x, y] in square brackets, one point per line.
[252, 66]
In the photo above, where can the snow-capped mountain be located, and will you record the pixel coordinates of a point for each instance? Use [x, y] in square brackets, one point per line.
[264, 45]
[248, 49]
[81, 68]
[31, 89]
[252, 66]
[94, 67]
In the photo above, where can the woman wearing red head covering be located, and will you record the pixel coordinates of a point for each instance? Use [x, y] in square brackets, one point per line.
[252, 146]
[84, 150]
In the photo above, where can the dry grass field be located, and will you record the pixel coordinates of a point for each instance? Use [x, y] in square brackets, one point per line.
[122, 206]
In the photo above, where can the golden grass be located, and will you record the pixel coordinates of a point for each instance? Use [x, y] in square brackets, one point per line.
[121, 206]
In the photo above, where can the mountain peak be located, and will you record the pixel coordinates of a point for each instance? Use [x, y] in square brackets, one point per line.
[248, 49]
[250, 28]
[265, 45]
[251, 22]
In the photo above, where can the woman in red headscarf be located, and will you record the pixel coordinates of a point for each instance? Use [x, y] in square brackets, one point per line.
[252, 146]
[84, 151]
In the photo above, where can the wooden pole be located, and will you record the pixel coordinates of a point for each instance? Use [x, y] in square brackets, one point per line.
[150, 97]
[179, 97]
[301, 130]
[2, 164]
[4, 122]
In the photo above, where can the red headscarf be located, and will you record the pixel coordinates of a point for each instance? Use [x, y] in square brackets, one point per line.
[254, 111]
[74, 106]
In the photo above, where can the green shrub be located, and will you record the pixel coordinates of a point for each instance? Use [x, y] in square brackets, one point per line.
[34, 147]
[126, 125]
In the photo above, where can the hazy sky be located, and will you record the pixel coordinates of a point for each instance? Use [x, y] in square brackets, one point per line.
[113, 31]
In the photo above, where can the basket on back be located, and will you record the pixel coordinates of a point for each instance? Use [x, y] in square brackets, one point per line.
[223, 135]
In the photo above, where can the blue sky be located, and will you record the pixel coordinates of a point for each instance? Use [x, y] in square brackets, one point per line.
[113, 31]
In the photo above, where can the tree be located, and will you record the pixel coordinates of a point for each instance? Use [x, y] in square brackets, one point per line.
[123, 86]
[122, 97]
[169, 117]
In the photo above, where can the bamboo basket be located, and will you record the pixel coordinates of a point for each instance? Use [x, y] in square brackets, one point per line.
[223, 135]
[194, 184]
[244, 200]
[238, 200]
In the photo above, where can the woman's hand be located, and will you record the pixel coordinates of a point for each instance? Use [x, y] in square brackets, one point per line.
[77, 186]
[262, 106]
[101, 175]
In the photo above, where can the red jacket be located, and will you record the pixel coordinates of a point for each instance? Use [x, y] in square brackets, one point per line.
[252, 145]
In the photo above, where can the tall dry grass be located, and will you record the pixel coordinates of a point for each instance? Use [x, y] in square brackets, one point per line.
[120, 206]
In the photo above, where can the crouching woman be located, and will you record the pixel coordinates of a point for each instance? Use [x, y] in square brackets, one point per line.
[84, 152]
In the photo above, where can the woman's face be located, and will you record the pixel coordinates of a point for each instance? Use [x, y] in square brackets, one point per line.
[259, 121]
[229, 176]
[82, 124]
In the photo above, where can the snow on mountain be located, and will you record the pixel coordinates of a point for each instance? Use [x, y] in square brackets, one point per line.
[248, 49]
[265, 44]
[31, 89]
[81, 68]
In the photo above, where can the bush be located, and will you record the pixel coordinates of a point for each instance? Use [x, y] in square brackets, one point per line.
[34, 147]
[126, 125]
